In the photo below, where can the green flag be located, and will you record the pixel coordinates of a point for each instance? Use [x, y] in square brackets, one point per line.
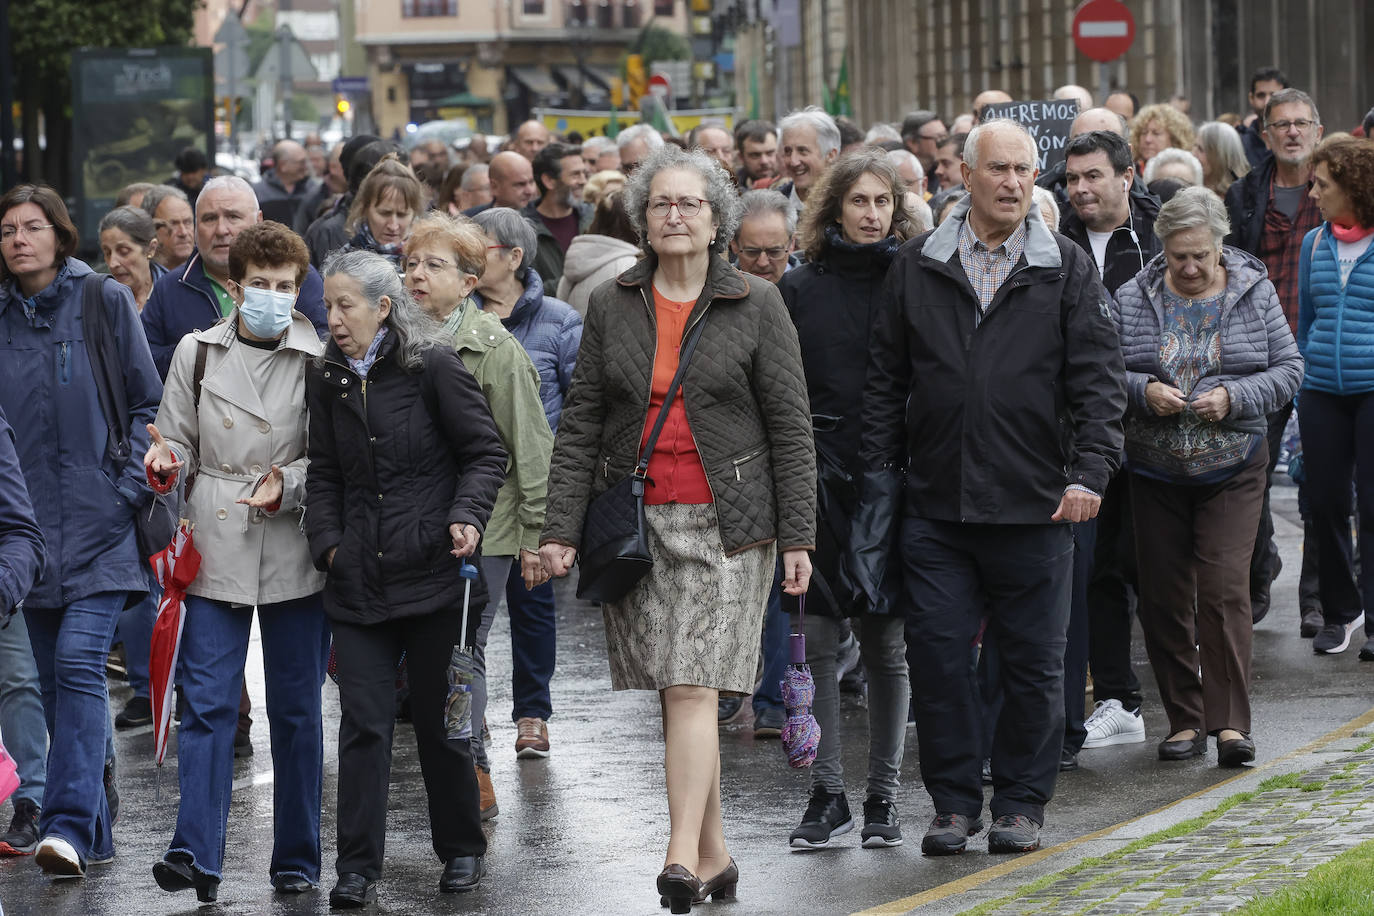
[612, 125]
[754, 90]
[840, 99]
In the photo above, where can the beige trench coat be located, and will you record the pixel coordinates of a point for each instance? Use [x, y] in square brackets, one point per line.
[249, 556]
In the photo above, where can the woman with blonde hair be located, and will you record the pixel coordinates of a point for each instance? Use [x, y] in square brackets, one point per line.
[1222, 155]
[390, 198]
[601, 184]
[1158, 127]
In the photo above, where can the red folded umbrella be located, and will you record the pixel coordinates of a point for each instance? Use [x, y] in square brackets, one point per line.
[175, 567]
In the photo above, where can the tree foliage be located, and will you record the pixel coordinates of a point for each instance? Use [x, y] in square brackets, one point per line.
[657, 43]
[52, 29]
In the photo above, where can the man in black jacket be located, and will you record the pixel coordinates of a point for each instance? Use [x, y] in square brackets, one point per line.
[1117, 230]
[996, 382]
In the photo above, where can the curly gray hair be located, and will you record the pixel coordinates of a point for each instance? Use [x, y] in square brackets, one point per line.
[719, 191]
[376, 277]
[1192, 208]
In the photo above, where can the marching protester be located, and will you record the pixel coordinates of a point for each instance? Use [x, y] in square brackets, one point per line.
[856, 220]
[129, 244]
[1208, 356]
[85, 494]
[405, 464]
[607, 249]
[233, 417]
[389, 200]
[733, 482]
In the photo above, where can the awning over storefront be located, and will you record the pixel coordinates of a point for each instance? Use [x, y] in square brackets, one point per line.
[535, 79]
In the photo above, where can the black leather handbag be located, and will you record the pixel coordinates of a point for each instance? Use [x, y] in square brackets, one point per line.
[615, 538]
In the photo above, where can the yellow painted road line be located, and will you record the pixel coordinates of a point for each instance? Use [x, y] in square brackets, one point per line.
[969, 882]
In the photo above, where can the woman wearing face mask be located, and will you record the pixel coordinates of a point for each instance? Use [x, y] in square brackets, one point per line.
[128, 241]
[233, 414]
[387, 203]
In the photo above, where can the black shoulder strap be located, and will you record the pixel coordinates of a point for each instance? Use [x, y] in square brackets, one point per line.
[689, 344]
[104, 357]
[202, 350]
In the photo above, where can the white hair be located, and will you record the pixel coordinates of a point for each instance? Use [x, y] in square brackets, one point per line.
[228, 183]
[595, 146]
[898, 157]
[1171, 155]
[473, 174]
[975, 138]
[652, 138]
[881, 132]
[1193, 208]
[1071, 91]
[812, 116]
[1049, 207]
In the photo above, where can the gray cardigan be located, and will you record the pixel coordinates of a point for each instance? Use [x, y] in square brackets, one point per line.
[1260, 365]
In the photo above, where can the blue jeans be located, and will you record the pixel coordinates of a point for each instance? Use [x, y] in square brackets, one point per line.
[136, 632]
[534, 645]
[21, 710]
[70, 645]
[214, 646]
[777, 629]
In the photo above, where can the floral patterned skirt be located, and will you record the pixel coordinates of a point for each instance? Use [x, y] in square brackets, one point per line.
[696, 618]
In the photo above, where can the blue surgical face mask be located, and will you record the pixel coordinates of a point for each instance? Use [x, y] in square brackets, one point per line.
[266, 313]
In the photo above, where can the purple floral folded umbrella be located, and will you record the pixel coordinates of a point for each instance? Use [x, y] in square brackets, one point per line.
[801, 734]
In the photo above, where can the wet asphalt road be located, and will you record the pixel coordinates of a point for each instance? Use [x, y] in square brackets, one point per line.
[585, 830]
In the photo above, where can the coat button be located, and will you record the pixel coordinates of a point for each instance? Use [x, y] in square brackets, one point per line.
[256, 469]
[222, 514]
[379, 554]
[344, 395]
[326, 373]
[225, 468]
[264, 426]
[344, 380]
[228, 422]
[379, 497]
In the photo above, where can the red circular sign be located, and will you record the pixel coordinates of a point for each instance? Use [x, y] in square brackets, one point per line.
[658, 83]
[1103, 29]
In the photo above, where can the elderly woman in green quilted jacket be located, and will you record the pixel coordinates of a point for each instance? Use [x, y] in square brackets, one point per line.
[732, 481]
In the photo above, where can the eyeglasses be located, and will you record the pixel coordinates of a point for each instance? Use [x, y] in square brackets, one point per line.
[9, 232]
[938, 138]
[687, 207]
[1302, 124]
[431, 265]
[494, 247]
[758, 254]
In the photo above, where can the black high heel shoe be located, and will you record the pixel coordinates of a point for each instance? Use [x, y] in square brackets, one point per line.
[679, 887]
[721, 887]
[175, 873]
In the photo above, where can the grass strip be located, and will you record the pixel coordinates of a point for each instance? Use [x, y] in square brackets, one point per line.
[1340, 886]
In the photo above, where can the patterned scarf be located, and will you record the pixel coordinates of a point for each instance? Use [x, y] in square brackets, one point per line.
[364, 365]
[365, 240]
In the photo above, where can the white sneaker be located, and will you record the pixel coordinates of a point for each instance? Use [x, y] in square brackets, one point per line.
[57, 858]
[1111, 724]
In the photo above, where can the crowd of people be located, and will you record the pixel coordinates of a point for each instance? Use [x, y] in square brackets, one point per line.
[985, 418]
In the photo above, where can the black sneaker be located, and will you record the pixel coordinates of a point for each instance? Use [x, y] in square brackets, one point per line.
[727, 708]
[1312, 622]
[948, 834]
[1068, 760]
[1367, 650]
[826, 817]
[111, 791]
[1013, 833]
[880, 823]
[22, 837]
[768, 722]
[243, 744]
[138, 711]
[1335, 637]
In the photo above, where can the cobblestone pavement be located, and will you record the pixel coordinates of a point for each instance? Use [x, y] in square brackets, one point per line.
[1277, 828]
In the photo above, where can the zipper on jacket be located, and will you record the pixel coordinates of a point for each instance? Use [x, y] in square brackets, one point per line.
[738, 462]
[64, 372]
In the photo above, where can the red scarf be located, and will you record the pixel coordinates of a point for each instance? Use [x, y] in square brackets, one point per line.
[1350, 233]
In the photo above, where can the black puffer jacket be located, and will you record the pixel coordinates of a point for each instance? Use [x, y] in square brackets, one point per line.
[744, 394]
[394, 461]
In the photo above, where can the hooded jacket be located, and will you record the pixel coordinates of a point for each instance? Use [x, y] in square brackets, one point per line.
[1260, 365]
[183, 302]
[551, 333]
[993, 418]
[21, 542]
[85, 504]
[592, 260]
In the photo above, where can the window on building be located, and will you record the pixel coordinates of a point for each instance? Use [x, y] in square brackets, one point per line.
[605, 14]
[577, 12]
[630, 16]
[663, 7]
[414, 8]
[534, 7]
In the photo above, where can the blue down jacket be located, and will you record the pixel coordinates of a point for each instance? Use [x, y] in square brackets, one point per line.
[85, 505]
[1335, 323]
[550, 330]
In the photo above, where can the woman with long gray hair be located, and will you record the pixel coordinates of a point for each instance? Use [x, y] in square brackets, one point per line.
[731, 481]
[405, 462]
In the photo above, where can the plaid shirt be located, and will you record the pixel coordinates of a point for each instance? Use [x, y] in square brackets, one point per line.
[988, 268]
[1280, 248]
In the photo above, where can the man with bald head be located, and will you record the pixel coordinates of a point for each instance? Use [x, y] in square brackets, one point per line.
[197, 295]
[988, 97]
[716, 142]
[287, 184]
[1028, 370]
[511, 178]
[530, 138]
[1083, 97]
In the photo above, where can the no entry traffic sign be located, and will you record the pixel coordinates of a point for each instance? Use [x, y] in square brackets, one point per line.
[1103, 29]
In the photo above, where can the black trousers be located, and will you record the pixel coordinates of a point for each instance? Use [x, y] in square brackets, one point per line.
[367, 658]
[1338, 442]
[1020, 576]
[1111, 596]
[1264, 562]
